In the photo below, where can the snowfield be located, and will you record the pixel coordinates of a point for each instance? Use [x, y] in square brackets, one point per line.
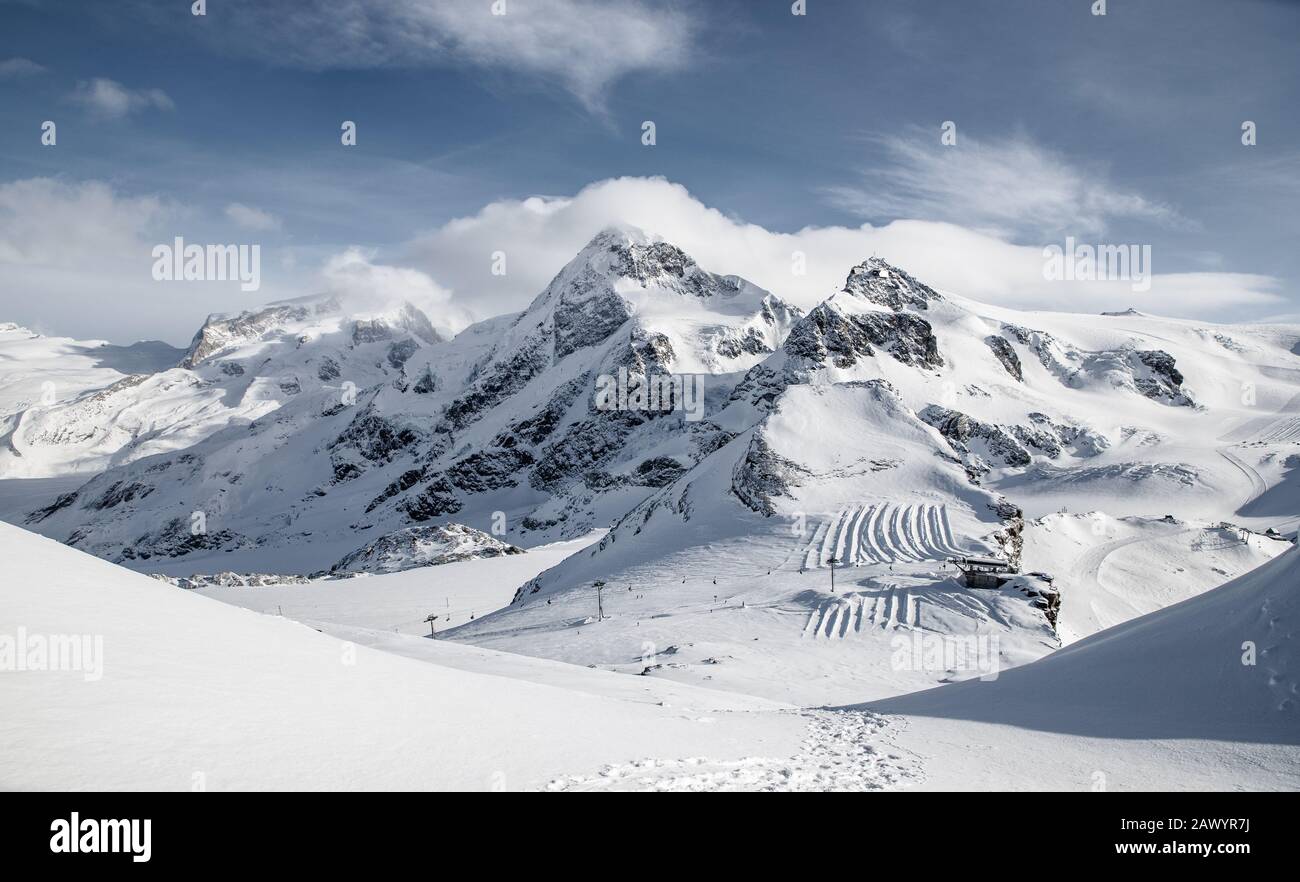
[1204, 694]
[195, 694]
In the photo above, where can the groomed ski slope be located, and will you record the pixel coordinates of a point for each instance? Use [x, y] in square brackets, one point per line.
[883, 533]
[1161, 703]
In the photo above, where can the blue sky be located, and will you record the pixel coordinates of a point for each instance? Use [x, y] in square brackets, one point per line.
[774, 132]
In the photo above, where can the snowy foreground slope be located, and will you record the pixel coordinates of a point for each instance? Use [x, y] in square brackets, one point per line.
[193, 693]
[1165, 700]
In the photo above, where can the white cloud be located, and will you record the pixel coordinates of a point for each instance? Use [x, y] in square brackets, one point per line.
[76, 259]
[48, 222]
[540, 234]
[111, 100]
[364, 285]
[17, 68]
[583, 45]
[251, 218]
[1012, 186]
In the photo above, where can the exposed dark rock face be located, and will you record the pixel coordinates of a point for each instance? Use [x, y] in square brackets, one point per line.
[427, 383]
[62, 502]
[368, 438]
[889, 286]
[1136, 472]
[585, 322]
[762, 386]
[370, 331]
[708, 439]
[649, 261]
[1165, 382]
[218, 333]
[228, 579]
[1151, 372]
[502, 380]
[119, 492]
[1056, 357]
[1042, 594]
[232, 369]
[408, 320]
[344, 470]
[647, 354]
[436, 499]
[775, 310]
[659, 471]
[826, 334]
[489, 469]
[1011, 536]
[174, 539]
[961, 431]
[583, 446]
[422, 546]
[328, 370]
[538, 427]
[290, 387]
[761, 475]
[983, 446]
[375, 438]
[735, 344]
[1005, 354]
[400, 351]
[404, 482]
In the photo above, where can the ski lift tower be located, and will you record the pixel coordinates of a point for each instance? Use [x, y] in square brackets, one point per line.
[833, 561]
[600, 606]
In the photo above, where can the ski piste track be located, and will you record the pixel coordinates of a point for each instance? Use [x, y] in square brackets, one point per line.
[868, 533]
[1281, 431]
[1257, 485]
[888, 608]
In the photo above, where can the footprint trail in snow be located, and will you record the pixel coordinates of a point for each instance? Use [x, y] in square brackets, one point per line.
[841, 751]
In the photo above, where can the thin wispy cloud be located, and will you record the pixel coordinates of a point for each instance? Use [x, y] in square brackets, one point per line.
[1011, 186]
[18, 68]
[251, 218]
[583, 46]
[110, 99]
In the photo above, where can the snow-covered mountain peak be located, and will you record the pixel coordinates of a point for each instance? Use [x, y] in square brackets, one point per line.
[888, 286]
[627, 285]
[392, 322]
[635, 264]
[306, 319]
[222, 331]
